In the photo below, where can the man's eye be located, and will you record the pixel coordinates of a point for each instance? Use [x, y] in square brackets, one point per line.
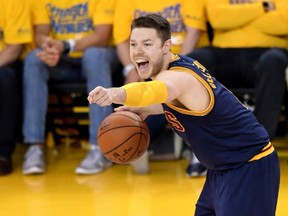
[132, 44]
[147, 44]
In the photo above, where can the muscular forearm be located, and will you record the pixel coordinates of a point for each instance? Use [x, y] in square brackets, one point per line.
[137, 94]
[145, 93]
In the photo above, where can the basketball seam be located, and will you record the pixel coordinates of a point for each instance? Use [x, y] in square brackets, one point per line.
[141, 137]
[139, 141]
[131, 126]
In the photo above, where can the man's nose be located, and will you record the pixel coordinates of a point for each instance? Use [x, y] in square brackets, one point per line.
[139, 49]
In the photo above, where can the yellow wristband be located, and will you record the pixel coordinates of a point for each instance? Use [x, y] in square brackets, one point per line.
[145, 93]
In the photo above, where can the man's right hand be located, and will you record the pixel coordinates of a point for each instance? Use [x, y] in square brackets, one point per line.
[106, 96]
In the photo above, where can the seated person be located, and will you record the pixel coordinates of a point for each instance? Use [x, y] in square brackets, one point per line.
[71, 46]
[15, 31]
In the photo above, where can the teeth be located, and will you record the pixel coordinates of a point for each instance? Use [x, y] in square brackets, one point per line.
[141, 61]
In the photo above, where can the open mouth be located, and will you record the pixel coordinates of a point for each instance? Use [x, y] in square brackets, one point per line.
[142, 65]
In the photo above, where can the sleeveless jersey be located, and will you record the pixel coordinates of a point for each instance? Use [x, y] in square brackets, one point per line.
[225, 135]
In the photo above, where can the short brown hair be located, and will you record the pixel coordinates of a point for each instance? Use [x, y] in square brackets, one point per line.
[154, 21]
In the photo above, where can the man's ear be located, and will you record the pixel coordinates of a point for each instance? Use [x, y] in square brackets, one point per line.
[167, 46]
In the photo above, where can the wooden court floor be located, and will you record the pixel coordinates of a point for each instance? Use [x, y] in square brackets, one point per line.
[116, 192]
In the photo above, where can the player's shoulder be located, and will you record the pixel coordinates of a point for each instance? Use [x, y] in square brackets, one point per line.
[174, 75]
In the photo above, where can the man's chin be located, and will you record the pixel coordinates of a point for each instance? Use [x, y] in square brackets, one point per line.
[144, 75]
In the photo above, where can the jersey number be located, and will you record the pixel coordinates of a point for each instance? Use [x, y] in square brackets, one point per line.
[174, 122]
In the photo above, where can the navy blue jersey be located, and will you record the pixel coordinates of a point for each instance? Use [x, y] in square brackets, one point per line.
[225, 135]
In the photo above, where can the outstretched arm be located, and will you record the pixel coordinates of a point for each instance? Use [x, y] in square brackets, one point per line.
[143, 97]
[178, 88]
[137, 94]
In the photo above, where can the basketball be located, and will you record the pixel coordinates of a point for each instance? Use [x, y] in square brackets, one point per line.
[123, 137]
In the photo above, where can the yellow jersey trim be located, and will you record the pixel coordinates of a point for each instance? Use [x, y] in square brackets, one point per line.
[174, 58]
[267, 150]
[207, 86]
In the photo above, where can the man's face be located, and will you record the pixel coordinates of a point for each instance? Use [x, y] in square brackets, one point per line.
[146, 52]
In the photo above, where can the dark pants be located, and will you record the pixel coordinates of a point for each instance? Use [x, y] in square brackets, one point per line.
[9, 107]
[251, 189]
[260, 68]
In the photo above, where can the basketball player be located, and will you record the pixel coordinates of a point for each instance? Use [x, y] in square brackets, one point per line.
[243, 167]
[182, 15]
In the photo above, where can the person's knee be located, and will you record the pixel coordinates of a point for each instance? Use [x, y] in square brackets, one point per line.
[7, 75]
[272, 65]
[32, 62]
[33, 66]
[274, 57]
[32, 59]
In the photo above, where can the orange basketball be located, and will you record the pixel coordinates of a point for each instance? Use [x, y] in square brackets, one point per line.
[123, 137]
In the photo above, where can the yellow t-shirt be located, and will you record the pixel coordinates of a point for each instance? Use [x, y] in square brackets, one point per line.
[248, 25]
[15, 25]
[180, 13]
[72, 19]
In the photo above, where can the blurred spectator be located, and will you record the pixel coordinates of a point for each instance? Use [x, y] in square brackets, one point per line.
[249, 49]
[186, 33]
[15, 31]
[74, 40]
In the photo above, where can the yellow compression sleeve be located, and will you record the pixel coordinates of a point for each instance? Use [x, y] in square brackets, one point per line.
[145, 93]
